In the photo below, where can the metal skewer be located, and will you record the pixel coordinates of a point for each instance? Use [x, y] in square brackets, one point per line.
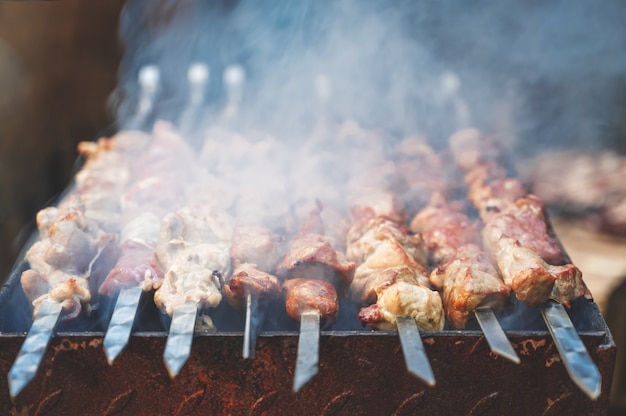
[121, 323]
[251, 328]
[494, 334]
[34, 347]
[178, 346]
[148, 79]
[234, 77]
[578, 363]
[413, 349]
[307, 363]
[198, 77]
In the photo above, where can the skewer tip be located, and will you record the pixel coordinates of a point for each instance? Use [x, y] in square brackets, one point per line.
[178, 346]
[19, 379]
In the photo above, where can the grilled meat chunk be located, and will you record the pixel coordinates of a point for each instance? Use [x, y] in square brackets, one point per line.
[247, 277]
[303, 294]
[405, 299]
[389, 263]
[469, 281]
[444, 228]
[367, 234]
[313, 256]
[194, 250]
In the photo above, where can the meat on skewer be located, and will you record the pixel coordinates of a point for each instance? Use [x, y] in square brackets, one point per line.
[311, 255]
[194, 250]
[156, 174]
[81, 229]
[463, 271]
[516, 227]
[314, 271]
[391, 278]
[255, 252]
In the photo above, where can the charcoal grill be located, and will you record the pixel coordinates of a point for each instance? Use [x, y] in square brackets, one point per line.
[361, 372]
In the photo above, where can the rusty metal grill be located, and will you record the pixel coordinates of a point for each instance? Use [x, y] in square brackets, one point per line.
[361, 373]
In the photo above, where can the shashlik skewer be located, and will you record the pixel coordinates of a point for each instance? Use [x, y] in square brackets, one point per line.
[254, 250]
[402, 299]
[75, 239]
[194, 250]
[157, 173]
[312, 269]
[392, 278]
[197, 78]
[389, 270]
[469, 281]
[516, 232]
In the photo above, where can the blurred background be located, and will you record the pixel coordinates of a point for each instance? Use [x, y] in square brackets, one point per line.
[548, 79]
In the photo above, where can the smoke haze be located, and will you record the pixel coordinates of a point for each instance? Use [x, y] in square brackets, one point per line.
[532, 72]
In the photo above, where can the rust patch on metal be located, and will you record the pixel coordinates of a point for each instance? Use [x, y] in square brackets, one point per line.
[49, 402]
[554, 358]
[190, 403]
[263, 403]
[557, 406]
[530, 345]
[409, 405]
[429, 341]
[337, 403]
[483, 405]
[95, 343]
[475, 345]
[119, 403]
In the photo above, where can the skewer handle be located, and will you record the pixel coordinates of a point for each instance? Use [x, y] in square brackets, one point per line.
[234, 78]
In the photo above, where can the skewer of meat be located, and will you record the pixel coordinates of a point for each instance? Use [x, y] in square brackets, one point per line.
[392, 279]
[516, 228]
[193, 249]
[313, 270]
[157, 175]
[470, 283]
[391, 275]
[255, 251]
[528, 258]
[76, 238]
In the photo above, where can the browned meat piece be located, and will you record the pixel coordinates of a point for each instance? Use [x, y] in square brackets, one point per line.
[387, 264]
[529, 276]
[310, 294]
[312, 256]
[495, 196]
[525, 221]
[255, 251]
[469, 281]
[444, 228]
[248, 277]
[367, 234]
[405, 299]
